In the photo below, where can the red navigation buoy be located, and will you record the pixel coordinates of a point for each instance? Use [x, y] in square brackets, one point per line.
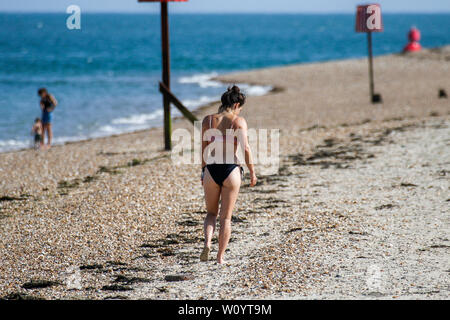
[414, 38]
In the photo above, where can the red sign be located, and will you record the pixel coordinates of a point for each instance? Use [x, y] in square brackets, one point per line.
[368, 18]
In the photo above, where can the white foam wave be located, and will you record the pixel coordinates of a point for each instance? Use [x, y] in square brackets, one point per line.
[138, 118]
[195, 103]
[11, 144]
[204, 80]
[255, 90]
[107, 129]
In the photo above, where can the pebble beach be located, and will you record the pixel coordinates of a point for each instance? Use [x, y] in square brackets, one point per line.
[359, 208]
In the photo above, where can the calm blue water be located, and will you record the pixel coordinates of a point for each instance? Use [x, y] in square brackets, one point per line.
[105, 76]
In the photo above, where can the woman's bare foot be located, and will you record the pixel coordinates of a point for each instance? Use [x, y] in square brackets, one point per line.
[205, 254]
[220, 260]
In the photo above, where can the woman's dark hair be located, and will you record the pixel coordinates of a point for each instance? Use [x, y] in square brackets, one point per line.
[41, 91]
[232, 96]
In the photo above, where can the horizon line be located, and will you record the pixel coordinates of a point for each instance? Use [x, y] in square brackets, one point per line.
[146, 11]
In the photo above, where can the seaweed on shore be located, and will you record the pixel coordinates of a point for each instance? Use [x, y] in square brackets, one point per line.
[130, 280]
[188, 223]
[116, 287]
[20, 296]
[64, 184]
[385, 206]
[294, 230]
[407, 184]
[8, 198]
[39, 284]
[179, 277]
[110, 170]
[91, 266]
[116, 298]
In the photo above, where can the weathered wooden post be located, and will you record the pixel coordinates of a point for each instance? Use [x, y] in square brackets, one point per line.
[368, 20]
[165, 88]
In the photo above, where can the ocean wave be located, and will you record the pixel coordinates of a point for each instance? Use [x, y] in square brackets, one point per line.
[196, 103]
[12, 144]
[129, 124]
[255, 90]
[204, 80]
[108, 130]
[138, 119]
[17, 144]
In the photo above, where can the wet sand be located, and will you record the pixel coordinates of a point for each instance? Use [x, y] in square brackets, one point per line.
[359, 208]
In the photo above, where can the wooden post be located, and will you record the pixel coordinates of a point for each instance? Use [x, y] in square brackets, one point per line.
[168, 96]
[372, 83]
[173, 99]
[166, 73]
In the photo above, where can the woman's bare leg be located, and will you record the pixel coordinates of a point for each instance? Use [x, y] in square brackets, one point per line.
[49, 133]
[229, 194]
[212, 196]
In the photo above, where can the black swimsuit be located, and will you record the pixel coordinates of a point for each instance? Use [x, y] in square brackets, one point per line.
[220, 172]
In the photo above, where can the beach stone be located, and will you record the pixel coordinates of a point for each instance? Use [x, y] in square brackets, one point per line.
[179, 277]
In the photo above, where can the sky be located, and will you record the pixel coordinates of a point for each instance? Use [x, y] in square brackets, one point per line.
[225, 6]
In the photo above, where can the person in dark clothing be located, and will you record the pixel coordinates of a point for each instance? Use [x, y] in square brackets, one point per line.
[48, 103]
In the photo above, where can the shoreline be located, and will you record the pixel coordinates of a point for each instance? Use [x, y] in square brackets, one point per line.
[227, 79]
[197, 111]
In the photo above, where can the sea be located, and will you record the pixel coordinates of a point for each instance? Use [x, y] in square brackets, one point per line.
[105, 75]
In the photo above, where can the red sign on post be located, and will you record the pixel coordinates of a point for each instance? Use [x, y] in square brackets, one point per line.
[369, 19]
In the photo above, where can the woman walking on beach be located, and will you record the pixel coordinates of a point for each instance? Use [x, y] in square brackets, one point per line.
[221, 173]
[48, 103]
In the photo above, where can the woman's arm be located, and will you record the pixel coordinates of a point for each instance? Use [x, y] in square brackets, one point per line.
[53, 100]
[243, 128]
[205, 126]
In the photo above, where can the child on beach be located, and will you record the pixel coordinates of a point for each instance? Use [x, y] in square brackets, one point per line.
[37, 130]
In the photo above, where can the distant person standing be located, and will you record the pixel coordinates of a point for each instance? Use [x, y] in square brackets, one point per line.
[48, 103]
